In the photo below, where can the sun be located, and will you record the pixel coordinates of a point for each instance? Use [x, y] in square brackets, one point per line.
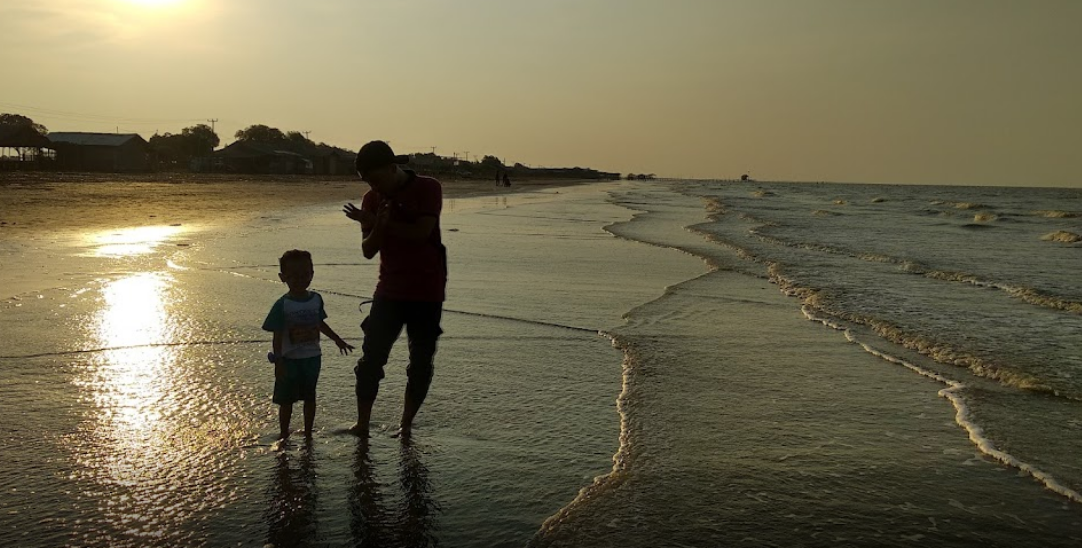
[155, 3]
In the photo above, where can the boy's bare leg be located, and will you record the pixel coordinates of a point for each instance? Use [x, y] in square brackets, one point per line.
[285, 413]
[364, 416]
[309, 417]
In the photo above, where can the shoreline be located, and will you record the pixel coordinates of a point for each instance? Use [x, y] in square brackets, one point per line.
[794, 447]
[45, 225]
[77, 201]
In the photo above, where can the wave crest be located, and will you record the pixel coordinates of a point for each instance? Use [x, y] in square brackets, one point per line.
[1062, 236]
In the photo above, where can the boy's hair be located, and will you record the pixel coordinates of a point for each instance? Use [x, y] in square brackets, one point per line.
[294, 256]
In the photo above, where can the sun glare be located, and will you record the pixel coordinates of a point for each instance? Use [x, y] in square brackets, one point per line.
[131, 241]
[154, 3]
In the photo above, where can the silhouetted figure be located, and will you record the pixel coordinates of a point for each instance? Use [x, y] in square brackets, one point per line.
[400, 221]
[744, 177]
[506, 180]
[296, 319]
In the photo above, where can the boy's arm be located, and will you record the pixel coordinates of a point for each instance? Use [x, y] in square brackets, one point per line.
[343, 346]
[276, 346]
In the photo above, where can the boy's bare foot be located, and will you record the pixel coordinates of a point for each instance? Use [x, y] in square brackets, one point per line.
[403, 432]
[283, 435]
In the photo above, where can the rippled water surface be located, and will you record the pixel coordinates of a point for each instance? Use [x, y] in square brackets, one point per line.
[716, 364]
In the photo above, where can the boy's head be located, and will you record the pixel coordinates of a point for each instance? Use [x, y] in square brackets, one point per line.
[377, 165]
[296, 269]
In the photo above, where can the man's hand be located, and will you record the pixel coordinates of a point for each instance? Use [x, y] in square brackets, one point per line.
[384, 215]
[343, 347]
[366, 218]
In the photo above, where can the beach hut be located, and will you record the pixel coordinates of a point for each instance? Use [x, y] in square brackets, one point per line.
[255, 157]
[328, 160]
[22, 147]
[113, 152]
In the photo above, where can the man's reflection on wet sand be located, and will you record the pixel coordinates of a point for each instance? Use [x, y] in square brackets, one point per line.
[412, 522]
[418, 513]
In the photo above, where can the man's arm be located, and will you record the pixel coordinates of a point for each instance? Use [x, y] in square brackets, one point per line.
[417, 231]
[369, 219]
[373, 239]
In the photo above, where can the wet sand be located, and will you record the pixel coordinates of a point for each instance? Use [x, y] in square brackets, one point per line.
[35, 202]
[44, 215]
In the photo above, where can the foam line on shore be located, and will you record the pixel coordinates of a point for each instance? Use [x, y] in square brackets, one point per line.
[962, 416]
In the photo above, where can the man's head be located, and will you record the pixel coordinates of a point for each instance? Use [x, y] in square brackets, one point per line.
[377, 165]
[296, 269]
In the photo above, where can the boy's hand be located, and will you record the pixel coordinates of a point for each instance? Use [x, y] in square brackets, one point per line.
[344, 347]
[279, 370]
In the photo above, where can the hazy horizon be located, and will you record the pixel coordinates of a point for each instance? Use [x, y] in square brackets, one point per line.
[967, 92]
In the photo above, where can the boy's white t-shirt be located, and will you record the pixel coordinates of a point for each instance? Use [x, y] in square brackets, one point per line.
[299, 320]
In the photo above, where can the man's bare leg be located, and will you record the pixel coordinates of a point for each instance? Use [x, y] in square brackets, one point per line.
[410, 407]
[364, 416]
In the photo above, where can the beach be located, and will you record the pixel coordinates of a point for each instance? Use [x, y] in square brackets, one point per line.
[66, 201]
[624, 364]
[43, 211]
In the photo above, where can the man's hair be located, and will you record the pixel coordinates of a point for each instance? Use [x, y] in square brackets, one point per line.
[294, 256]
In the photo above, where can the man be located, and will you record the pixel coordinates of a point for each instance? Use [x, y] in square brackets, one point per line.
[400, 221]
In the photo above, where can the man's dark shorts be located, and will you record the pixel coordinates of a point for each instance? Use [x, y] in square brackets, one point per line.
[381, 329]
[299, 381]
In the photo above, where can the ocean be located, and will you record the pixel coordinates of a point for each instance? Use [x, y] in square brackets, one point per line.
[636, 364]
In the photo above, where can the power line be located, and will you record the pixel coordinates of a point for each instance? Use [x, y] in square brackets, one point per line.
[97, 118]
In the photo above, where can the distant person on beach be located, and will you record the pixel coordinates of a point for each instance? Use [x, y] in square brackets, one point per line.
[400, 221]
[297, 319]
[506, 180]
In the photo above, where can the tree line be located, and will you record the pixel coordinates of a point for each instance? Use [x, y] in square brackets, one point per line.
[176, 151]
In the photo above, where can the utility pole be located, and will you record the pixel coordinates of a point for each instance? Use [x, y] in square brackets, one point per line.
[212, 122]
[306, 134]
[433, 150]
[466, 156]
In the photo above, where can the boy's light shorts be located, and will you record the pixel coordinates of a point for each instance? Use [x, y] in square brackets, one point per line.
[299, 381]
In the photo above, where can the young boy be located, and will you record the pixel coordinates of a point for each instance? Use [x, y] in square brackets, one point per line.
[297, 320]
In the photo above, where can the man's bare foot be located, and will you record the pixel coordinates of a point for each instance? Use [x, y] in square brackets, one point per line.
[283, 435]
[358, 430]
[281, 444]
[403, 432]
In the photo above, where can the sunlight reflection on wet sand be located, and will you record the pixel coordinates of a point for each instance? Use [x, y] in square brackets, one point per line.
[131, 241]
[139, 440]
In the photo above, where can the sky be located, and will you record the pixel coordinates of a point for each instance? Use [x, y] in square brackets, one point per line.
[906, 91]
